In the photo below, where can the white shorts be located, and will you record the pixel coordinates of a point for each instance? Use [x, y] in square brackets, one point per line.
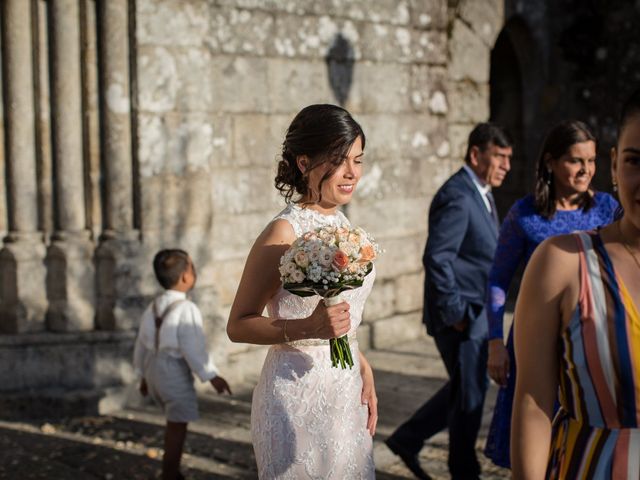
[170, 384]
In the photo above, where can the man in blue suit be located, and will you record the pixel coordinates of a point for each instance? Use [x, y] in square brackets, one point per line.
[463, 231]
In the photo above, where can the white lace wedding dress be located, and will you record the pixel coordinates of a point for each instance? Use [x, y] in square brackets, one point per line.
[307, 418]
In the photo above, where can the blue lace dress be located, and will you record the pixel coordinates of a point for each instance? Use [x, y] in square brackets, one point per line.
[521, 232]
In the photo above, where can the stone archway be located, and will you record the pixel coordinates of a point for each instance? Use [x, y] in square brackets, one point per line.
[516, 76]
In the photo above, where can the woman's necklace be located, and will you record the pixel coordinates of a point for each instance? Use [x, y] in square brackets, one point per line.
[628, 247]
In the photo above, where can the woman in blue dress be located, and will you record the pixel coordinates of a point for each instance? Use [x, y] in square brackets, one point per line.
[563, 202]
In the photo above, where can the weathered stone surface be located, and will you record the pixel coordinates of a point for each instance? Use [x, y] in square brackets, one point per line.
[486, 18]
[233, 235]
[409, 292]
[429, 47]
[23, 286]
[257, 140]
[390, 137]
[294, 84]
[364, 337]
[392, 11]
[395, 330]
[469, 102]
[216, 86]
[175, 143]
[238, 31]
[398, 216]
[177, 79]
[159, 22]
[71, 284]
[381, 302]
[383, 179]
[469, 55]
[382, 42]
[66, 360]
[313, 36]
[173, 204]
[241, 84]
[380, 88]
[458, 136]
[402, 255]
[399, 44]
[227, 277]
[158, 72]
[246, 365]
[428, 15]
[429, 90]
[233, 189]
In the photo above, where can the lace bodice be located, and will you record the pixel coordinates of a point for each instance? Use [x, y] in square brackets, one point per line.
[287, 305]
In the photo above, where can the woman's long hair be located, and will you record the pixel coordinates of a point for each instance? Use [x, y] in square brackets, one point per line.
[557, 143]
[324, 134]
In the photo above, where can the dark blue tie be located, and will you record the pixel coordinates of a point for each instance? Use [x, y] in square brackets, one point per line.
[494, 210]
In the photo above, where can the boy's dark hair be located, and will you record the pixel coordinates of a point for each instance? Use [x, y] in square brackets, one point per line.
[169, 264]
[485, 133]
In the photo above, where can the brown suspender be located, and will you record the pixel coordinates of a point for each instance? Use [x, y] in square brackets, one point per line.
[160, 318]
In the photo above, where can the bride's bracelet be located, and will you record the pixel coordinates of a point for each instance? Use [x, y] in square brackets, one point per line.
[284, 331]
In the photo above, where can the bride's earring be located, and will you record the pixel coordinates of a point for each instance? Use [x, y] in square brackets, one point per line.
[615, 186]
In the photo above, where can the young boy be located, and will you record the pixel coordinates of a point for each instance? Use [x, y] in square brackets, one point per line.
[170, 346]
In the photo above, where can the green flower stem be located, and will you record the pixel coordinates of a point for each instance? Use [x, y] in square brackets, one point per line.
[341, 352]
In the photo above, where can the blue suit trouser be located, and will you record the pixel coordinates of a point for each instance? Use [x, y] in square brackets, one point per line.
[456, 406]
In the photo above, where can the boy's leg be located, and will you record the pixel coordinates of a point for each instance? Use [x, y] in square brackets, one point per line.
[174, 437]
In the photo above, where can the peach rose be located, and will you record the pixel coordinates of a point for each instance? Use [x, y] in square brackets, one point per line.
[340, 260]
[367, 253]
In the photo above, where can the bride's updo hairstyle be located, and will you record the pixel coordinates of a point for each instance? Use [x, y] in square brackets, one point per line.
[324, 134]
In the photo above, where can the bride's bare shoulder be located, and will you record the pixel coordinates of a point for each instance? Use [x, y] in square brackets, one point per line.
[277, 232]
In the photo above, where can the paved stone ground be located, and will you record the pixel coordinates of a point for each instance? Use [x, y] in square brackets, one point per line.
[128, 444]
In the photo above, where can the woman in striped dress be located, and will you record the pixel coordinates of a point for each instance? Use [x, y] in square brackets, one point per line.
[579, 329]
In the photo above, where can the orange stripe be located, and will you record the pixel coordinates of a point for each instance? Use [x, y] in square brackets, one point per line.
[621, 455]
[607, 404]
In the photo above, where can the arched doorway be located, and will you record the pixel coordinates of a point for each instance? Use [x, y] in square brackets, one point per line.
[514, 81]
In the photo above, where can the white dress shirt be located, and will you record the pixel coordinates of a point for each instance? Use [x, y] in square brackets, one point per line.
[181, 335]
[482, 187]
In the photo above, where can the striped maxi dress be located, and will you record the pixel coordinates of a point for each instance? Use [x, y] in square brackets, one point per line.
[595, 433]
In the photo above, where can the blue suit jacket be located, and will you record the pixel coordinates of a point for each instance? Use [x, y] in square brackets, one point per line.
[458, 256]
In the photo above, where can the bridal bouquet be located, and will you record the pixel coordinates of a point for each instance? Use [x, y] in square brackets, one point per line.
[326, 262]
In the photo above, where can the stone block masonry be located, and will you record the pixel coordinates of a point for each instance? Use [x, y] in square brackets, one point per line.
[176, 114]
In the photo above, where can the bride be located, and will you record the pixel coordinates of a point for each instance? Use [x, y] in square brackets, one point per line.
[308, 420]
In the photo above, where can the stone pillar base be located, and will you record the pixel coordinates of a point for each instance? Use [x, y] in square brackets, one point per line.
[118, 260]
[23, 302]
[71, 284]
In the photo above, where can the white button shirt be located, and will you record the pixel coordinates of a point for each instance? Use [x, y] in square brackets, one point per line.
[181, 335]
[482, 187]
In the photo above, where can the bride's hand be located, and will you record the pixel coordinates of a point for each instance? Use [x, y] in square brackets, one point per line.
[329, 322]
[369, 397]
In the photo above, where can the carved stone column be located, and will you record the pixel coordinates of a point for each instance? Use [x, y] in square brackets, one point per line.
[119, 244]
[22, 274]
[70, 284]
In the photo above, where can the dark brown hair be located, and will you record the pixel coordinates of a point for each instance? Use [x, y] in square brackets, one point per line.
[169, 264]
[557, 143]
[484, 134]
[323, 133]
[630, 107]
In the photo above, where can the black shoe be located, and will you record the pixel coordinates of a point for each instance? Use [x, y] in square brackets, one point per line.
[410, 460]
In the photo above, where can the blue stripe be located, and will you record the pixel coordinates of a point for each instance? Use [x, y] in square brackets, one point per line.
[593, 415]
[604, 461]
[620, 326]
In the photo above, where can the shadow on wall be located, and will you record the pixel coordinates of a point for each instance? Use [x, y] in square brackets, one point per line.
[340, 61]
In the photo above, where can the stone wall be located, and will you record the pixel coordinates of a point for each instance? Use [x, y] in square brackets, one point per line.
[183, 107]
